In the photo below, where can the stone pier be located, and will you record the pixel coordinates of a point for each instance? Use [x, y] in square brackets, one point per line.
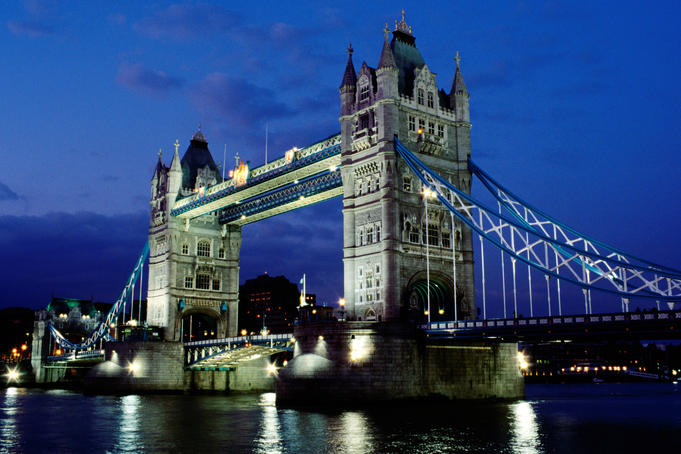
[360, 362]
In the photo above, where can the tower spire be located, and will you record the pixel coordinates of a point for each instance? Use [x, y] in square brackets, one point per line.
[387, 59]
[350, 76]
[402, 26]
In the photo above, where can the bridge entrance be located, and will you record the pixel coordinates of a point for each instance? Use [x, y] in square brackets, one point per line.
[197, 326]
[437, 289]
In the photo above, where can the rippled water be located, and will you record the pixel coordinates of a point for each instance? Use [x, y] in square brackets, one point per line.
[599, 418]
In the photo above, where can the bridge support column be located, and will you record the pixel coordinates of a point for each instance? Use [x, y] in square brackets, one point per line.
[357, 362]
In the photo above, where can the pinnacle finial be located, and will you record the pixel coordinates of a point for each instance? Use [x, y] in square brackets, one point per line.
[349, 50]
[386, 31]
[457, 59]
[177, 145]
[402, 25]
[160, 152]
[199, 135]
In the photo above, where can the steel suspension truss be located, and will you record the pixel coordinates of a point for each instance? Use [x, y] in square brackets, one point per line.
[527, 235]
[102, 329]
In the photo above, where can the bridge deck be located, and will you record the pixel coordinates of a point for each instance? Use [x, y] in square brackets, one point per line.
[654, 325]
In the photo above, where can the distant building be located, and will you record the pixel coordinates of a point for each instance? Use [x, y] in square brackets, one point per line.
[269, 303]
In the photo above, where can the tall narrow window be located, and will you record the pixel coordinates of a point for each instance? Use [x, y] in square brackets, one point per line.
[445, 239]
[363, 121]
[406, 184]
[431, 128]
[378, 237]
[364, 92]
[430, 99]
[188, 282]
[221, 253]
[433, 235]
[413, 235]
[216, 284]
[440, 130]
[185, 249]
[412, 123]
[420, 96]
[203, 248]
[422, 124]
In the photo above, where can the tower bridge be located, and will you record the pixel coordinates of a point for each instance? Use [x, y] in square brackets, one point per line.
[403, 165]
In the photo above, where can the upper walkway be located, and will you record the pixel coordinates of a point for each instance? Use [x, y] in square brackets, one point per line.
[302, 177]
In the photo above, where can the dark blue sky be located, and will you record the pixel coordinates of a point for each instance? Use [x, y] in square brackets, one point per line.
[575, 105]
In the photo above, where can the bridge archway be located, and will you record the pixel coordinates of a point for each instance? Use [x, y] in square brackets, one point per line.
[198, 324]
[441, 298]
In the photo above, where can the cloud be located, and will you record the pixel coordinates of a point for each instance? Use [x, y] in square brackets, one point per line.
[6, 193]
[237, 101]
[185, 22]
[139, 78]
[30, 29]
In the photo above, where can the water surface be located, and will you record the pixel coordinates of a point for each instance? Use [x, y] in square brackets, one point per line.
[621, 418]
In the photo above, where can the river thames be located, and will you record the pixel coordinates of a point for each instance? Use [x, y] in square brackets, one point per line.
[598, 418]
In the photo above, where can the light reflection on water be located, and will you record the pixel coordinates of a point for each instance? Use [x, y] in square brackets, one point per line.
[10, 437]
[561, 420]
[128, 428]
[524, 426]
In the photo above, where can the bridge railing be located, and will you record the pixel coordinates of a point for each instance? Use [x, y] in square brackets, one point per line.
[77, 355]
[473, 327]
[239, 339]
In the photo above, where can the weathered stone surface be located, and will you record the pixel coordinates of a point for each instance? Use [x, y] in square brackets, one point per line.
[356, 362]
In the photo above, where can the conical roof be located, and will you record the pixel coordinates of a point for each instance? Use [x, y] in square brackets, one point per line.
[387, 60]
[196, 157]
[350, 76]
[458, 85]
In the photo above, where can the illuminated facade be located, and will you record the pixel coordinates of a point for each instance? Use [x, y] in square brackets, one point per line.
[193, 264]
[384, 219]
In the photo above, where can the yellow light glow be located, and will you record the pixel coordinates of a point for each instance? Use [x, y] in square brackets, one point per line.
[24, 347]
[271, 369]
[341, 302]
[522, 362]
[321, 338]
[58, 352]
[133, 367]
[425, 312]
[293, 340]
[14, 350]
[420, 131]
[285, 362]
[441, 311]
[243, 332]
[13, 375]
[332, 168]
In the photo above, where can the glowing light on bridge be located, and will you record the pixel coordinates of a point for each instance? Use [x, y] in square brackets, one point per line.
[134, 367]
[522, 362]
[13, 375]
[271, 369]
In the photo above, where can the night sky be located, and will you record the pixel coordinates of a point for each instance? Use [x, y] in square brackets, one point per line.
[575, 105]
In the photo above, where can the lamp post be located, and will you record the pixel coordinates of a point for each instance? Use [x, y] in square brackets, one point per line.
[341, 303]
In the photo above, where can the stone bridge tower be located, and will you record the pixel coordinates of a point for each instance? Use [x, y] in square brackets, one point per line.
[384, 220]
[193, 264]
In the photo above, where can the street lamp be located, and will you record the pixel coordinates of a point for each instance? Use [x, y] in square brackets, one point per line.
[341, 303]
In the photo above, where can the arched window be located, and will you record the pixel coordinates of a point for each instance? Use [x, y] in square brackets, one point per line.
[364, 92]
[203, 248]
[420, 96]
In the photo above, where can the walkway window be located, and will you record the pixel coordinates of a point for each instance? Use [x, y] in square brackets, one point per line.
[188, 282]
[203, 248]
[185, 249]
[203, 281]
[420, 96]
[430, 99]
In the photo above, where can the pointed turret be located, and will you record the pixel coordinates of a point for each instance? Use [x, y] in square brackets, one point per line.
[387, 72]
[458, 97]
[174, 176]
[350, 76]
[348, 85]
